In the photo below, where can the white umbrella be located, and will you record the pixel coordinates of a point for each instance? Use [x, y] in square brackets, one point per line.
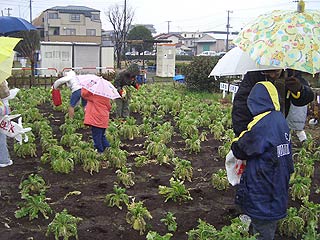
[237, 62]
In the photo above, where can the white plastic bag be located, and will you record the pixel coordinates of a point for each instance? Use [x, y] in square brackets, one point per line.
[13, 129]
[234, 168]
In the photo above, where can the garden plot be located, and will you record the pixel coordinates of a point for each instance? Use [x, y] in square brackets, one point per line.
[166, 163]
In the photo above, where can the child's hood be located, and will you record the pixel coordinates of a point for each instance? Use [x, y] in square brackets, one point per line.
[262, 98]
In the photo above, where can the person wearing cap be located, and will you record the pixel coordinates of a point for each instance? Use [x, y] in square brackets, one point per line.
[123, 80]
[71, 80]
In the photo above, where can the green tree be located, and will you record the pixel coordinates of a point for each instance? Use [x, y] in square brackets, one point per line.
[141, 33]
[197, 73]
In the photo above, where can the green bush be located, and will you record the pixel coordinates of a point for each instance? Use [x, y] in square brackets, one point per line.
[197, 72]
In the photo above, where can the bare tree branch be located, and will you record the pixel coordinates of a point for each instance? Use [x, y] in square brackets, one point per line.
[117, 18]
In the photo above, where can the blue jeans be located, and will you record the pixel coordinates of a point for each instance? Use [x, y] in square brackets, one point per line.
[4, 153]
[99, 138]
[75, 97]
[266, 229]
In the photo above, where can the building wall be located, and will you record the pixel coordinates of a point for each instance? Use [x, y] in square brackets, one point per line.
[59, 29]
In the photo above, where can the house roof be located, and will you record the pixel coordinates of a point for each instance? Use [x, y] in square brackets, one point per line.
[166, 36]
[73, 9]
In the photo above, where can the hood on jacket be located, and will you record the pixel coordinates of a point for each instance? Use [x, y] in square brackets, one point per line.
[262, 98]
[69, 75]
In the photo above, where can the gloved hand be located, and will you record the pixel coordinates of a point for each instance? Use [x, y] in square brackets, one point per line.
[137, 86]
[123, 93]
[293, 84]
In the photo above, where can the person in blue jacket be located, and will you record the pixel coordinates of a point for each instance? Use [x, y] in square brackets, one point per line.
[266, 146]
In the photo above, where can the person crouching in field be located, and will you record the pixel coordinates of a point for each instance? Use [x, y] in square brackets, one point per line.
[73, 83]
[266, 145]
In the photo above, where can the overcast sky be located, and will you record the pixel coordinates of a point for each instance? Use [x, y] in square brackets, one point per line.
[178, 15]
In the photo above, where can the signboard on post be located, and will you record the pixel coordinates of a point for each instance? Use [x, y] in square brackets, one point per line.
[233, 89]
[224, 87]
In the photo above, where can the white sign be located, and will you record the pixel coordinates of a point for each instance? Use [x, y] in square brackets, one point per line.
[233, 88]
[224, 86]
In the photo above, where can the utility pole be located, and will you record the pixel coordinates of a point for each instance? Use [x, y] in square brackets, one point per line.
[8, 9]
[228, 26]
[168, 26]
[30, 6]
[124, 25]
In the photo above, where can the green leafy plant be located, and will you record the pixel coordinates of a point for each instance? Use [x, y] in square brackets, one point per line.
[63, 225]
[91, 165]
[292, 225]
[129, 130]
[117, 198]
[170, 222]
[156, 236]
[136, 216]
[183, 169]
[141, 161]
[32, 206]
[26, 149]
[63, 163]
[309, 211]
[33, 185]
[125, 175]
[219, 180]
[177, 191]
[300, 187]
[193, 144]
[117, 157]
[311, 233]
[70, 139]
[204, 231]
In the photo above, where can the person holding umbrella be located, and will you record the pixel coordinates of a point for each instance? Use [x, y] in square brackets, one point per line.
[266, 146]
[97, 116]
[293, 89]
[97, 92]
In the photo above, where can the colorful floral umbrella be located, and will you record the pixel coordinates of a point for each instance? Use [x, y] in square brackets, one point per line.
[98, 85]
[7, 45]
[286, 39]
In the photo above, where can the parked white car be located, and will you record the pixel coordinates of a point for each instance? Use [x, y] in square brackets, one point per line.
[208, 53]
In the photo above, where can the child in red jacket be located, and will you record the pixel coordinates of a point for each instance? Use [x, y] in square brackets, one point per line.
[96, 115]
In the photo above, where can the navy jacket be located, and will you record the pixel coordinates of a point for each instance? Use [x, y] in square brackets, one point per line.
[263, 189]
[241, 115]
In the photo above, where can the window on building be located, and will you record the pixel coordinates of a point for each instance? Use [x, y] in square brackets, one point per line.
[75, 17]
[53, 15]
[65, 56]
[91, 32]
[70, 31]
[48, 55]
[56, 31]
[95, 17]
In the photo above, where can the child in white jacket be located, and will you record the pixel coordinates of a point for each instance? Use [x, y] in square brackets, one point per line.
[71, 80]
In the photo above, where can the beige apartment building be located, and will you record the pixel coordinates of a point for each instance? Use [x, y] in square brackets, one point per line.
[69, 24]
